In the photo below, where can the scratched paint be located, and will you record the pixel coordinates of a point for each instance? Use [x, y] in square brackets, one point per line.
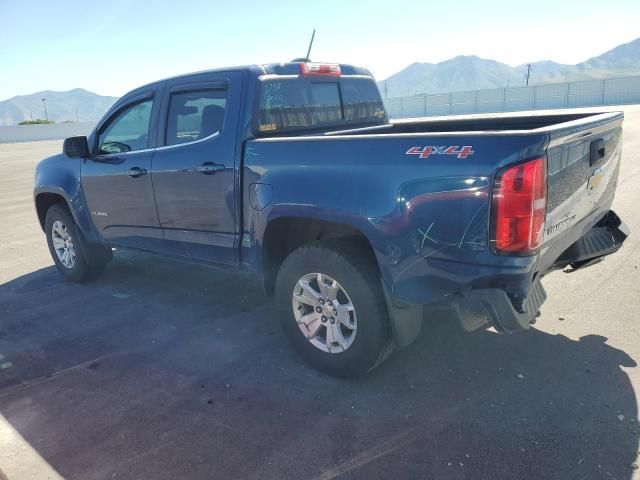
[425, 236]
[442, 245]
[434, 220]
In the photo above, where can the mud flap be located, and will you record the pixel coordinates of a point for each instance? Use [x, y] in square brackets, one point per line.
[95, 254]
[406, 320]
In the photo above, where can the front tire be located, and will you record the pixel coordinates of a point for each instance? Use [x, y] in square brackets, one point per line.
[332, 308]
[74, 258]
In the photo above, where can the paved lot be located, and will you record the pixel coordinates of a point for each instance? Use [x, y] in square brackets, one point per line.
[163, 370]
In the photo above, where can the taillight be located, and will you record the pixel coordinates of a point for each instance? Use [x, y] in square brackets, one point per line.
[519, 206]
[324, 69]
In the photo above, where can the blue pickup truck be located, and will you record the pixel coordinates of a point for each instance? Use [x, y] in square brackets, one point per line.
[360, 226]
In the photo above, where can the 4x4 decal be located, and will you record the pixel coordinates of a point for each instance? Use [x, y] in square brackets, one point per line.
[425, 152]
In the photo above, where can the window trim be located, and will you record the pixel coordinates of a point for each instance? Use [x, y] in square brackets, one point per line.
[185, 88]
[166, 147]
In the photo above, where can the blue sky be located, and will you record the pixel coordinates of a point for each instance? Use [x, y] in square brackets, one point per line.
[112, 46]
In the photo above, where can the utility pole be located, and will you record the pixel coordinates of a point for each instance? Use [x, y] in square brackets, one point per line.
[528, 73]
[46, 115]
[77, 121]
[385, 89]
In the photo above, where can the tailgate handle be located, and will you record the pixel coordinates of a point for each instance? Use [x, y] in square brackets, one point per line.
[596, 152]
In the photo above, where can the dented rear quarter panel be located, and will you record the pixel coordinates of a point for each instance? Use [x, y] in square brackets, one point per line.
[427, 219]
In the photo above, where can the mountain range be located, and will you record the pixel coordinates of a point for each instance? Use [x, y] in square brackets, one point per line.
[458, 74]
[465, 73]
[61, 106]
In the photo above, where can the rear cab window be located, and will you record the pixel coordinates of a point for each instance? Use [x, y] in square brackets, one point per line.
[288, 104]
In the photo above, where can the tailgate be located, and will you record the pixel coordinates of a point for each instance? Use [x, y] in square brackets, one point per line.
[583, 161]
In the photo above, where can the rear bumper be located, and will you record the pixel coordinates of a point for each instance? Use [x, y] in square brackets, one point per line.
[478, 307]
[492, 306]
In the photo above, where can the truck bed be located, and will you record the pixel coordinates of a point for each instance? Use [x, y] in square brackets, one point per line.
[494, 122]
[428, 216]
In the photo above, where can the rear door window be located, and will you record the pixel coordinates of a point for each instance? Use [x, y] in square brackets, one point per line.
[195, 115]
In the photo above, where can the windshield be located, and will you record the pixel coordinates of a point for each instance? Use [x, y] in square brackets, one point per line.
[292, 104]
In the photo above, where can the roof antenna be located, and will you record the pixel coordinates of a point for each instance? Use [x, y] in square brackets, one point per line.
[310, 45]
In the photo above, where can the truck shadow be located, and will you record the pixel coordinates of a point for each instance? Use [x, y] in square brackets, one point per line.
[167, 370]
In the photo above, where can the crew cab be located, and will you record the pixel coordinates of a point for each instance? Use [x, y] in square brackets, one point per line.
[360, 226]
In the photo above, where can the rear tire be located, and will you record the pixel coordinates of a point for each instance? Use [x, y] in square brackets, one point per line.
[343, 336]
[77, 260]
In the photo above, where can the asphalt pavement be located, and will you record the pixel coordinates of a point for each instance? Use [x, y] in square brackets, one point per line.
[166, 370]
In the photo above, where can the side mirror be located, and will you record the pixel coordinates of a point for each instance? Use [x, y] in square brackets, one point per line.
[76, 147]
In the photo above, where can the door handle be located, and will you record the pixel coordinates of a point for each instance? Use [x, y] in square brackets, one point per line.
[136, 172]
[209, 168]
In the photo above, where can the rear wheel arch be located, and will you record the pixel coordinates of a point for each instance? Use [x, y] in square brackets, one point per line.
[284, 235]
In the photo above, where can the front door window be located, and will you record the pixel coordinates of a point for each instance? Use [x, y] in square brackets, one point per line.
[128, 131]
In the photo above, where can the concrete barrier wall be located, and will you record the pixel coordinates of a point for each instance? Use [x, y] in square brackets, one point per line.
[53, 131]
[592, 93]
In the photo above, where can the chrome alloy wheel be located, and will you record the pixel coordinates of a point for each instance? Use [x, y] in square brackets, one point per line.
[63, 244]
[324, 312]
